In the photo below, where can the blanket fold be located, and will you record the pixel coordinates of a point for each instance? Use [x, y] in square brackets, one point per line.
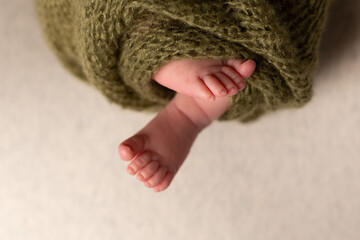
[117, 46]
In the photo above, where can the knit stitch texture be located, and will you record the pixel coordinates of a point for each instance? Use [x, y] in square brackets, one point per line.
[117, 46]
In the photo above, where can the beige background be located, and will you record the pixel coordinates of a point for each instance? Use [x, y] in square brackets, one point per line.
[294, 174]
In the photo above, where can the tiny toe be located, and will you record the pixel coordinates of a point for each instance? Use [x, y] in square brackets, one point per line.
[215, 85]
[227, 83]
[247, 68]
[202, 91]
[234, 76]
[139, 162]
[165, 182]
[157, 177]
[125, 152]
[148, 171]
[130, 147]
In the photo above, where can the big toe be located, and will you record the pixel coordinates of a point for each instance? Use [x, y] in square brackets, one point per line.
[247, 68]
[130, 147]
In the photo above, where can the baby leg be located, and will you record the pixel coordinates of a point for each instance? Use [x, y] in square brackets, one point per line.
[158, 150]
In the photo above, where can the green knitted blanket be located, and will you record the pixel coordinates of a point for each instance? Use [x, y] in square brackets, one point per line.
[118, 45]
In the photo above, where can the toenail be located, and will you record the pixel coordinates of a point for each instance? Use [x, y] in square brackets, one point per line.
[127, 147]
[140, 177]
[147, 184]
[131, 170]
[223, 93]
[126, 151]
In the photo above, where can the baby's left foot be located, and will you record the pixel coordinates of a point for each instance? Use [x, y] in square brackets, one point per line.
[205, 78]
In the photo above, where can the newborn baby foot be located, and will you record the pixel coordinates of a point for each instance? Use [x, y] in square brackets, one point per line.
[205, 78]
[158, 150]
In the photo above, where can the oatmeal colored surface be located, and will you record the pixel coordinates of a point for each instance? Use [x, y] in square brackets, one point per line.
[294, 174]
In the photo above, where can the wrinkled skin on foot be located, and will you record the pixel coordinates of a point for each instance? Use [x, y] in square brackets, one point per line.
[205, 79]
[158, 150]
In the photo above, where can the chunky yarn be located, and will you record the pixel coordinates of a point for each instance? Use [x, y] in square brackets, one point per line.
[117, 46]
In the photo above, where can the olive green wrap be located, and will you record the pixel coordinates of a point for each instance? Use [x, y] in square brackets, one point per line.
[117, 46]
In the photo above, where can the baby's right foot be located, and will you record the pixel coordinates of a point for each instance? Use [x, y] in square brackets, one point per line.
[205, 78]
